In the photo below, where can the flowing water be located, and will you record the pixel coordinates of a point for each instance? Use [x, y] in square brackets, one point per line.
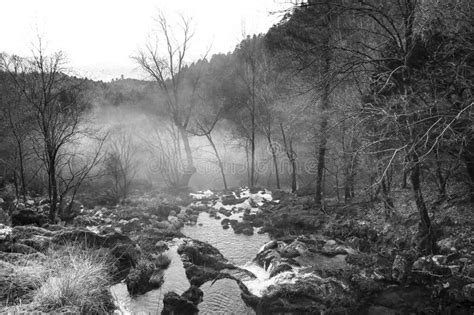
[152, 301]
[221, 297]
[239, 249]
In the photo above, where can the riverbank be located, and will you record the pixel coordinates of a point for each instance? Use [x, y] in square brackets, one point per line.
[351, 259]
[355, 258]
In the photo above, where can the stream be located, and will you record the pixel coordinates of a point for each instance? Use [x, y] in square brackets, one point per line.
[223, 296]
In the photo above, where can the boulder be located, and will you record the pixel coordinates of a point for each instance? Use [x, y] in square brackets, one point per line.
[193, 294]
[279, 269]
[225, 212]
[85, 220]
[143, 278]
[242, 228]
[446, 245]
[174, 304]
[331, 248]
[28, 216]
[307, 294]
[202, 261]
[225, 221]
[131, 225]
[230, 200]
[163, 225]
[163, 210]
[468, 292]
[266, 257]
[400, 268]
[161, 246]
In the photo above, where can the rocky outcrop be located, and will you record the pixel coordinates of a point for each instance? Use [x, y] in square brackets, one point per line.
[202, 261]
[306, 294]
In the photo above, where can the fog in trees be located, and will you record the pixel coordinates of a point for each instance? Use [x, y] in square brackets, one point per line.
[343, 133]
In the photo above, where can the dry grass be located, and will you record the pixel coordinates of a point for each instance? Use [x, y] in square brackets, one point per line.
[69, 279]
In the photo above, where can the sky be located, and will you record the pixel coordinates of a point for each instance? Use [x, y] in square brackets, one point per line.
[100, 36]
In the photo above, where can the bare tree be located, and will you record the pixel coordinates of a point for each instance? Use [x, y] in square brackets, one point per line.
[121, 164]
[164, 60]
[57, 106]
[249, 51]
[16, 121]
[204, 127]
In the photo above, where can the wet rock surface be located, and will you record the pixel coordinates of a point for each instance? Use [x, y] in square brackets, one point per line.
[186, 304]
[373, 262]
[204, 262]
[143, 277]
[342, 263]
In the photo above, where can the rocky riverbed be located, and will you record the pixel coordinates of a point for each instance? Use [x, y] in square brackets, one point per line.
[347, 261]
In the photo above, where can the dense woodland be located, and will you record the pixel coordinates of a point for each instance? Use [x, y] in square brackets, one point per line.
[346, 100]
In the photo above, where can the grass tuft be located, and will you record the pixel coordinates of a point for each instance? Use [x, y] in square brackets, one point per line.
[66, 279]
[78, 280]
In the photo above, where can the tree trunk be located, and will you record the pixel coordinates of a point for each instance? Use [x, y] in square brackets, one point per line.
[247, 161]
[387, 201]
[275, 162]
[15, 184]
[468, 157]
[404, 179]
[22, 171]
[189, 170]
[252, 144]
[53, 190]
[322, 151]
[348, 183]
[291, 157]
[219, 161]
[324, 107]
[347, 191]
[427, 239]
[441, 179]
[293, 176]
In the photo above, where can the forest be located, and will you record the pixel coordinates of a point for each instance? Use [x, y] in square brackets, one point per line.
[355, 116]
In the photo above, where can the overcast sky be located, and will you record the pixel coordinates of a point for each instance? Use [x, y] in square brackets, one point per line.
[99, 36]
